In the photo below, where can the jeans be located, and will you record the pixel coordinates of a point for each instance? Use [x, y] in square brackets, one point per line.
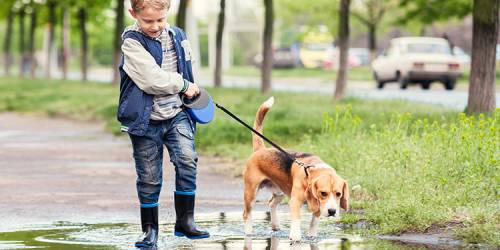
[177, 134]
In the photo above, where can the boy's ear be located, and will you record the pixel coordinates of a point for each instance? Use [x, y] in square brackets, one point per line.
[132, 12]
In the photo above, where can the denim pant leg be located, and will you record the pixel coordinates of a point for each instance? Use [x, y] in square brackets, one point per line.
[180, 144]
[148, 155]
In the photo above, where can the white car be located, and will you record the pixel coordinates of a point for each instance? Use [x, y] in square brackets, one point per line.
[420, 60]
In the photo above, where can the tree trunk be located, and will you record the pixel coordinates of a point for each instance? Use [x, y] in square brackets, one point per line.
[65, 42]
[31, 43]
[484, 40]
[120, 25]
[343, 44]
[372, 41]
[82, 15]
[52, 22]
[218, 45]
[181, 14]
[267, 54]
[7, 43]
[22, 42]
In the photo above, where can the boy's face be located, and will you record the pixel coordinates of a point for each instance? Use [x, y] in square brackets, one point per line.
[151, 21]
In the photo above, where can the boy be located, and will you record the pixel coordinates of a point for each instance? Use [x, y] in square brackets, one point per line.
[155, 71]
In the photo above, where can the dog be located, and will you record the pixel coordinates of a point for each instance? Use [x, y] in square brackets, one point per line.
[319, 185]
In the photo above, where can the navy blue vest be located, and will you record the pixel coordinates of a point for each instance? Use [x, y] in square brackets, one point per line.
[135, 105]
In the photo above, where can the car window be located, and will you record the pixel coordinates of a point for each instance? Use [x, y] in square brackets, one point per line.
[432, 48]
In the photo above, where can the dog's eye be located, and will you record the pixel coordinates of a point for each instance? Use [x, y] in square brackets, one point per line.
[339, 194]
[324, 194]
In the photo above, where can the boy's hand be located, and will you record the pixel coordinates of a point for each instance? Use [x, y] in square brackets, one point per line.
[192, 91]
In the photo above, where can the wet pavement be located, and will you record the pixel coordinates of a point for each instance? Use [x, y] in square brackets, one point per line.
[71, 185]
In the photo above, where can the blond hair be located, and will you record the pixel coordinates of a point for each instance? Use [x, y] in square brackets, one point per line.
[138, 5]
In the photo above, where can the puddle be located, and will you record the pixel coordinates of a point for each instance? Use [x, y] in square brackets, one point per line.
[226, 233]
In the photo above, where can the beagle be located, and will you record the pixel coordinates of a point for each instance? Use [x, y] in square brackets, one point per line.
[324, 191]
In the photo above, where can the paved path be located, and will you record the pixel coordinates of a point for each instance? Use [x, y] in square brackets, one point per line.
[59, 170]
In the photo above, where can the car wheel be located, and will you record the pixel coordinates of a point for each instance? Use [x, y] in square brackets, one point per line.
[380, 84]
[449, 84]
[426, 85]
[403, 82]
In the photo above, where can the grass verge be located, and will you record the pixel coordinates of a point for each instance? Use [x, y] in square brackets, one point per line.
[411, 166]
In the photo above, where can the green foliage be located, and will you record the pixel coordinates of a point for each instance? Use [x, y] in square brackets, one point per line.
[427, 12]
[308, 14]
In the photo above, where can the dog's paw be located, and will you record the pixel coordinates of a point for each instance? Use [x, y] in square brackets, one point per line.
[295, 244]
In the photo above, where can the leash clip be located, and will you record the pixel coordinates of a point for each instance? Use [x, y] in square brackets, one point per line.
[304, 166]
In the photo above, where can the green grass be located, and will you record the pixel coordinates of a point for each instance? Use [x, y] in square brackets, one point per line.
[412, 166]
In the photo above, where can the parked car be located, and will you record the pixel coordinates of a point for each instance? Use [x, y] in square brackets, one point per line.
[420, 60]
[356, 57]
[285, 57]
[362, 55]
[498, 52]
[312, 55]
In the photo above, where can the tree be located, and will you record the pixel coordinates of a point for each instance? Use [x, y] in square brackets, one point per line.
[82, 20]
[51, 5]
[267, 53]
[343, 44]
[218, 45]
[22, 41]
[65, 31]
[8, 37]
[120, 25]
[31, 42]
[181, 14]
[427, 12]
[90, 10]
[370, 14]
[484, 41]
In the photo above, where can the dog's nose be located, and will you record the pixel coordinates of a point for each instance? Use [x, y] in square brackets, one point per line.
[331, 212]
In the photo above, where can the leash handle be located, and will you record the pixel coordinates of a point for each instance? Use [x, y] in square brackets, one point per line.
[265, 138]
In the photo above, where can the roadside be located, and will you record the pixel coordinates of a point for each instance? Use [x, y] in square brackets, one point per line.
[358, 86]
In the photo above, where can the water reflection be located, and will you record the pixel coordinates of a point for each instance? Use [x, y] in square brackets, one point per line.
[226, 230]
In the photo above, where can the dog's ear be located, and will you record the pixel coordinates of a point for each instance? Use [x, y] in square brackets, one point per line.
[344, 201]
[312, 200]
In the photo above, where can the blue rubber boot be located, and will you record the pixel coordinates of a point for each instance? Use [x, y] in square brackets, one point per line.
[184, 224]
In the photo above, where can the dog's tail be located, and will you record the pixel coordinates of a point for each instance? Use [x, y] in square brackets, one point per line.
[258, 142]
